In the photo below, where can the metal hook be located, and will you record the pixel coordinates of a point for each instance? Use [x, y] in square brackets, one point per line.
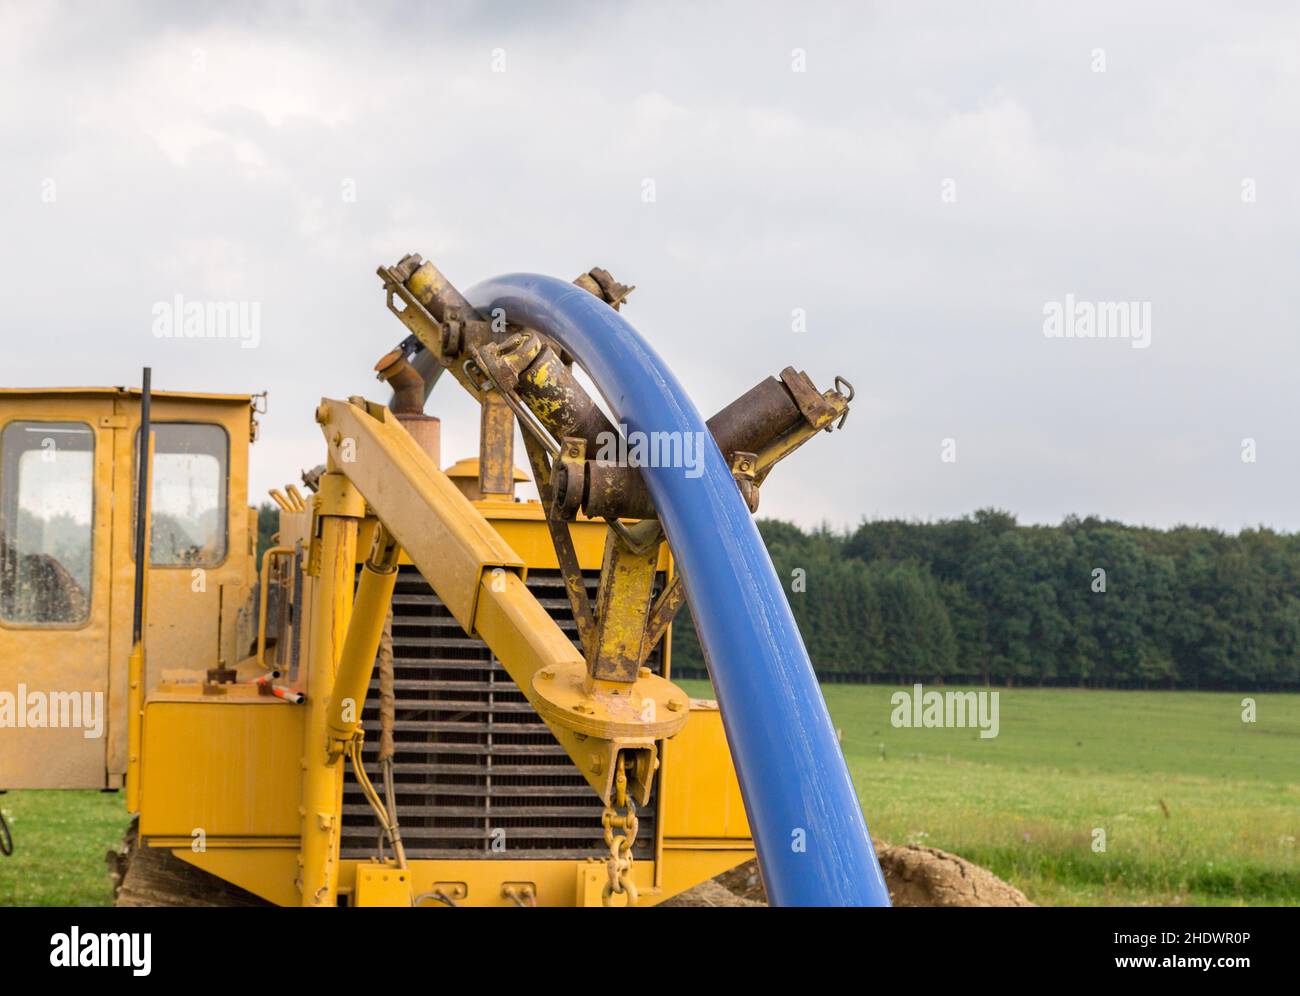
[841, 383]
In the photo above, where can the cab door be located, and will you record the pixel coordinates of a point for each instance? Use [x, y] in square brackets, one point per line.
[190, 561]
[56, 473]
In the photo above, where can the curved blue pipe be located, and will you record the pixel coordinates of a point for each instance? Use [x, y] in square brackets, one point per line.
[812, 841]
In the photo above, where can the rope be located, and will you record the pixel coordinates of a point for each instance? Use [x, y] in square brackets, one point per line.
[387, 721]
[387, 695]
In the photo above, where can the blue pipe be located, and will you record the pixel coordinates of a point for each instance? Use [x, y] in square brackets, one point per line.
[812, 841]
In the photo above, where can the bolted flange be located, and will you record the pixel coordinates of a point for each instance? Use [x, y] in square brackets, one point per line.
[650, 708]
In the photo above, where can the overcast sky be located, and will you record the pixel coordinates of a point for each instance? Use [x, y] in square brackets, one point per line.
[933, 178]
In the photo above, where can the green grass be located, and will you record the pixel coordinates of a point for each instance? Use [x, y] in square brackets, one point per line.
[1025, 804]
[60, 843]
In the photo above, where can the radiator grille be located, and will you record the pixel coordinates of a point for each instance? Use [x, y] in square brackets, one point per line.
[477, 772]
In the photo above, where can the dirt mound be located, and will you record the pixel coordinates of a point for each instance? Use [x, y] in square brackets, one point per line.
[713, 893]
[927, 876]
[916, 876]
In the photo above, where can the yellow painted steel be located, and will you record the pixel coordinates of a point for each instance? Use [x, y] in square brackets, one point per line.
[381, 885]
[135, 670]
[224, 765]
[627, 579]
[229, 764]
[701, 794]
[135, 677]
[260, 867]
[479, 578]
[437, 526]
[496, 448]
[264, 588]
[338, 507]
[267, 871]
[357, 660]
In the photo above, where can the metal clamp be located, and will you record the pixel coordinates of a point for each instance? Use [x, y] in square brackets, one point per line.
[568, 479]
[743, 468]
[415, 316]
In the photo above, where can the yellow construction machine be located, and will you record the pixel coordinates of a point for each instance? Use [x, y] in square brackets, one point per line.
[430, 691]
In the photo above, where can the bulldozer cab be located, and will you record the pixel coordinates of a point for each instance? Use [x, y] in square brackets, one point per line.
[67, 509]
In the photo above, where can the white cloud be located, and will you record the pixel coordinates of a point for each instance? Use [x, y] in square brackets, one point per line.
[206, 154]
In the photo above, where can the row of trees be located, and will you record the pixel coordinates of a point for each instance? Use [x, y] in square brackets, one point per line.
[982, 599]
[1088, 603]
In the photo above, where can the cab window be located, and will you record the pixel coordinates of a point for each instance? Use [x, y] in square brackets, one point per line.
[47, 508]
[188, 494]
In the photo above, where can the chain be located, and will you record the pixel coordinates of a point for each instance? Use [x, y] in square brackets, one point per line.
[619, 862]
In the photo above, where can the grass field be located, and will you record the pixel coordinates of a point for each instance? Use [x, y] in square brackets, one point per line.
[1197, 806]
[60, 843]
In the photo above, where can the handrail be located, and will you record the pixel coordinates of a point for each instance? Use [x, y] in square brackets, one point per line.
[264, 585]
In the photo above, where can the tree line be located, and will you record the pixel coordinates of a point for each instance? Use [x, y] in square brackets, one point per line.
[985, 600]
[1088, 603]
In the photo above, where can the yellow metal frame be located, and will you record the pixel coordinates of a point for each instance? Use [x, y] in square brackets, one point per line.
[241, 784]
[245, 750]
[702, 829]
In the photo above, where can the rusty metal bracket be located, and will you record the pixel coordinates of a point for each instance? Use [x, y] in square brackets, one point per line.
[670, 600]
[744, 467]
[815, 408]
[415, 316]
[496, 463]
[600, 283]
[574, 584]
[505, 388]
[768, 422]
[613, 635]
[622, 610]
[504, 361]
[438, 316]
[519, 357]
[568, 479]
